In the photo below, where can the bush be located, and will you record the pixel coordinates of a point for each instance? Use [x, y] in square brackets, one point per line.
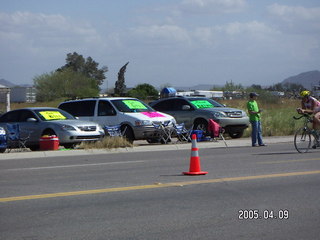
[107, 143]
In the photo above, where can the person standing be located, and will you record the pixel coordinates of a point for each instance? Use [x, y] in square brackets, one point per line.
[255, 120]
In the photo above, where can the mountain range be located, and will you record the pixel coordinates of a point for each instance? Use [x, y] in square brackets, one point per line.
[306, 79]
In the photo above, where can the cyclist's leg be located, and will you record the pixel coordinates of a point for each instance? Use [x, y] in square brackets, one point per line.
[316, 121]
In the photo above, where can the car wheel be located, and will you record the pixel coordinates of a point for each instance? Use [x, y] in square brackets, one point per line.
[153, 140]
[127, 132]
[34, 147]
[236, 134]
[70, 145]
[2, 150]
[201, 125]
[48, 132]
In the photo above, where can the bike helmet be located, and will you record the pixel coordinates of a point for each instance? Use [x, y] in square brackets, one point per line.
[305, 93]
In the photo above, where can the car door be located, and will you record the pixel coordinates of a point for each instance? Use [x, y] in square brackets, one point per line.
[33, 129]
[175, 107]
[183, 111]
[106, 114]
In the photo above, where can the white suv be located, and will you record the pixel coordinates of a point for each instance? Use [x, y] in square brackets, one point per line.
[135, 117]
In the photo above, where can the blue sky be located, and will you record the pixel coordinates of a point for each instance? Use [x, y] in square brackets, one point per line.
[176, 42]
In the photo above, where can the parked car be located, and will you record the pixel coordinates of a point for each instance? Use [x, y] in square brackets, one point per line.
[136, 118]
[196, 111]
[39, 121]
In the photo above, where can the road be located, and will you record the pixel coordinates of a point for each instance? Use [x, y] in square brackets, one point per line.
[143, 195]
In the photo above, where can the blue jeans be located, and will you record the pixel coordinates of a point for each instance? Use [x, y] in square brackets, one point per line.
[256, 133]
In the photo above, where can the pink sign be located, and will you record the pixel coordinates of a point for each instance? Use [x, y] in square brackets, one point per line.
[152, 114]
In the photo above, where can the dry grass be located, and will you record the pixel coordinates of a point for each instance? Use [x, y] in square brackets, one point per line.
[276, 116]
[107, 143]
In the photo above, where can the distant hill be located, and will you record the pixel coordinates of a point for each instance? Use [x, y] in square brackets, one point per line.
[6, 83]
[306, 79]
[196, 87]
[9, 84]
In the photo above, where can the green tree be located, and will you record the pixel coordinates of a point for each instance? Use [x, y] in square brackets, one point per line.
[120, 85]
[144, 91]
[88, 67]
[64, 84]
[230, 86]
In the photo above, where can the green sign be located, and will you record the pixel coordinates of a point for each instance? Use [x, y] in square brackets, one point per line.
[202, 104]
[133, 104]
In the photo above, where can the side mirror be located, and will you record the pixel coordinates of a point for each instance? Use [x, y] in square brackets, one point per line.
[32, 120]
[186, 107]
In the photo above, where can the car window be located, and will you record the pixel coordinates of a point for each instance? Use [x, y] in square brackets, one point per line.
[171, 105]
[79, 108]
[131, 105]
[25, 114]
[201, 103]
[105, 108]
[53, 114]
[12, 116]
[179, 103]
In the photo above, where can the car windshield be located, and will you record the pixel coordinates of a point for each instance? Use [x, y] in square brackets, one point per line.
[131, 105]
[201, 103]
[53, 114]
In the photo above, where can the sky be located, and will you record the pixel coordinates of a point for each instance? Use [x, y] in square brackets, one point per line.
[166, 42]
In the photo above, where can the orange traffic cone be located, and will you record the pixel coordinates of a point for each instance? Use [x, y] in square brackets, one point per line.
[195, 168]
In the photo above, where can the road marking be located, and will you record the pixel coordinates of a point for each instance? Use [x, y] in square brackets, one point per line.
[289, 161]
[70, 166]
[154, 186]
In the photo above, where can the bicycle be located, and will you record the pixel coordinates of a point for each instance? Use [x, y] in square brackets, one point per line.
[302, 137]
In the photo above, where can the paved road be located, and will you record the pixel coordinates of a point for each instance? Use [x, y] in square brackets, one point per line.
[142, 195]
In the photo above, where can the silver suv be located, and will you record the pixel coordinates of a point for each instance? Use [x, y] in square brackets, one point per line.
[196, 111]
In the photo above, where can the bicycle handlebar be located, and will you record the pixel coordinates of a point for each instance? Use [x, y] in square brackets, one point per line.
[302, 115]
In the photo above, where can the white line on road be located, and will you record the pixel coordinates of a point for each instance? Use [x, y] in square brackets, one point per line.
[71, 166]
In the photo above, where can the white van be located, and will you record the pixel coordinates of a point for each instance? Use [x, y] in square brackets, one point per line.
[135, 117]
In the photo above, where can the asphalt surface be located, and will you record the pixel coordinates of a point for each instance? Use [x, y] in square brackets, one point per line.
[140, 193]
[143, 146]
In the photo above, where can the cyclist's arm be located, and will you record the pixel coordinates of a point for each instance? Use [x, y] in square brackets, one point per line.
[303, 111]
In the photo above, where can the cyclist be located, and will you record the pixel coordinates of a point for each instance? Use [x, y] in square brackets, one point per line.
[310, 105]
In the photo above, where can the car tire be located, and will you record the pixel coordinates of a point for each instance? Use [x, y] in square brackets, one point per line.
[34, 147]
[2, 150]
[236, 134]
[70, 145]
[127, 132]
[201, 125]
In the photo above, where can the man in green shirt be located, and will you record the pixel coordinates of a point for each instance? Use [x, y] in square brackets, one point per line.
[255, 120]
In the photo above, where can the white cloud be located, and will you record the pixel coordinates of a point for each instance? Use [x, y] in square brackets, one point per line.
[213, 6]
[161, 34]
[38, 31]
[296, 19]
[293, 13]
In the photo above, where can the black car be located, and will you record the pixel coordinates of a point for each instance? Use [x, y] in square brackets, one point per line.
[196, 111]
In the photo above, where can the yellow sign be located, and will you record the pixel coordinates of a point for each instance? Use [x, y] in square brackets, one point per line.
[52, 115]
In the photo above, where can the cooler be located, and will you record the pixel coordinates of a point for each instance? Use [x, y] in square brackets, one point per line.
[49, 142]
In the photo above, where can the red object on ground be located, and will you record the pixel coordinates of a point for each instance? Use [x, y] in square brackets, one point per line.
[49, 143]
[195, 168]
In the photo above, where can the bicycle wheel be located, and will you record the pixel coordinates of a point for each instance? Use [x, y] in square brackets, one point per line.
[302, 140]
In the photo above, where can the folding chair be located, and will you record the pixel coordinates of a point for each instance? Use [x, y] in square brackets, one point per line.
[3, 140]
[113, 131]
[163, 132]
[14, 137]
[216, 131]
[182, 133]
